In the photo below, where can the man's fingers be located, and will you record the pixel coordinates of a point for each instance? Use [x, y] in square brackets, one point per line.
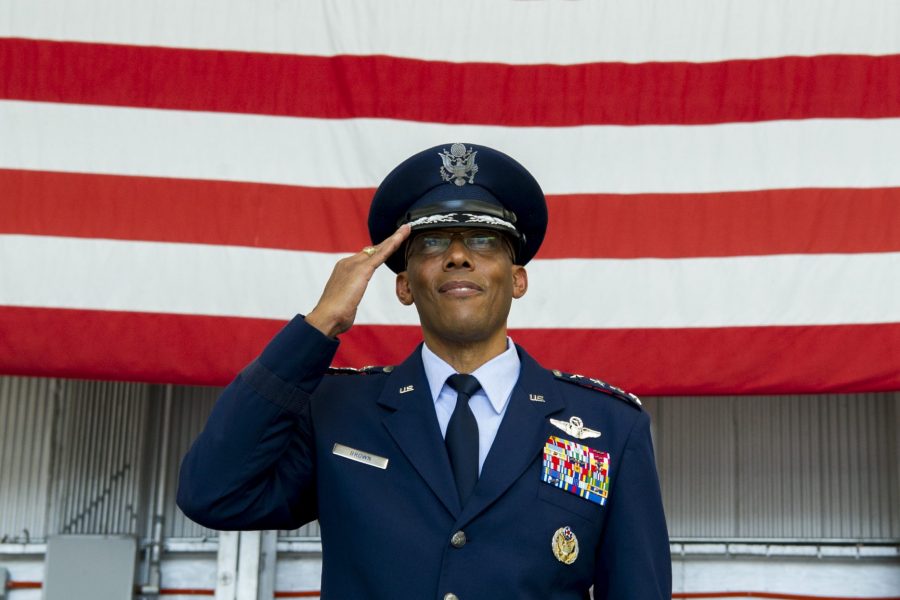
[392, 243]
[385, 249]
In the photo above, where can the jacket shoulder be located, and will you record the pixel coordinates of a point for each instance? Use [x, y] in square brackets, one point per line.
[598, 385]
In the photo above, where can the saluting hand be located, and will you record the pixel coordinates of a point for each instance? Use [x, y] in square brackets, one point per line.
[336, 310]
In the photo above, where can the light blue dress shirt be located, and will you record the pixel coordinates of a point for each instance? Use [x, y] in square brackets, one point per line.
[497, 377]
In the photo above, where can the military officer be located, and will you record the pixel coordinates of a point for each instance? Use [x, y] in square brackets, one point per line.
[468, 471]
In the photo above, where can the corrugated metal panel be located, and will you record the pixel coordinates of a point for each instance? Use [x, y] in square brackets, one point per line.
[26, 425]
[98, 458]
[695, 447]
[190, 408]
[787, 467]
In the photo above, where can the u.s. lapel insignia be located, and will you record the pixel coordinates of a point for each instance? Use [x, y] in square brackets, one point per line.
[536, 397]
[406, 389]
[565, 545]
[575, 427]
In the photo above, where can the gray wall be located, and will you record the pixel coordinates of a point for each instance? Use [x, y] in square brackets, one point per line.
[821, 467]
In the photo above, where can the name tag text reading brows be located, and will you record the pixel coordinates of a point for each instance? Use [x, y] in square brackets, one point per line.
[373, 460]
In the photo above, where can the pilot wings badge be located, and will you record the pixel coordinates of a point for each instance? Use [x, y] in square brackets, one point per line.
[459, 165]
[575, 427]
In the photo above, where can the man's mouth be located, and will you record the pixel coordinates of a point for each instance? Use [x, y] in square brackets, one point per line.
[460, 289]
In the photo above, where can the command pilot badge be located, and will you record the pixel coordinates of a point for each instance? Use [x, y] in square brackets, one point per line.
[565, 545]
[459, 165]
[575, 427]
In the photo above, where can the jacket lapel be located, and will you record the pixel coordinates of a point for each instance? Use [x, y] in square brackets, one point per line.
[414, 426]
[519, 438]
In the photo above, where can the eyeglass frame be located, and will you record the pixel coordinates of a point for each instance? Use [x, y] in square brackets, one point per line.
[451, 235]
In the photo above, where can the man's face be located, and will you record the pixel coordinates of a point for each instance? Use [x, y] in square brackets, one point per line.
[462, 282]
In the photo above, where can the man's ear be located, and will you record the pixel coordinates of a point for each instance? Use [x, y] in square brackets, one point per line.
[520, 281]
[401, 286]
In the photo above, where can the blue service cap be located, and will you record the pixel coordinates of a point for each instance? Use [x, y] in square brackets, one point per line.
[460, 185]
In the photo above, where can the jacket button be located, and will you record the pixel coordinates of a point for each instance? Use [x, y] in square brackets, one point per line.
[458, 540]
[451, 597]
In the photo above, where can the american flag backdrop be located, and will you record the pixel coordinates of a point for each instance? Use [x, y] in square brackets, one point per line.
[177, 178]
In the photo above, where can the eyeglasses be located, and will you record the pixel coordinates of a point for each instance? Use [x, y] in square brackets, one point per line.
[433, 243]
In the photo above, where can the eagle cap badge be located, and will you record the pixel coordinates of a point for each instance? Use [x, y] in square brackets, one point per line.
[459, 164]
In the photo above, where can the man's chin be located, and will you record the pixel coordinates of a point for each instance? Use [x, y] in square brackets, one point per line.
[460, 331]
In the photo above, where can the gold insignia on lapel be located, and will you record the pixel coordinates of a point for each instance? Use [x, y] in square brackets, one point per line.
[536, 398]
[565, 545]
[575, 427]
[406, 389]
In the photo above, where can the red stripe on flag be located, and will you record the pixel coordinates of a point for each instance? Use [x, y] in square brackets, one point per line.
[211, 350]
[829, 86]
[184, 210]
[128, 346]
[803, 221]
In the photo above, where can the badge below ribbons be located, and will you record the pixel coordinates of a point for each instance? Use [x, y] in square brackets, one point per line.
[576, 468]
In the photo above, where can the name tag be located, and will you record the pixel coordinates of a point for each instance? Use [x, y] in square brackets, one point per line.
[373, 460]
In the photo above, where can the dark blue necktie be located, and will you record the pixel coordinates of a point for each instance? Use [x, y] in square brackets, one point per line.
[462, 436]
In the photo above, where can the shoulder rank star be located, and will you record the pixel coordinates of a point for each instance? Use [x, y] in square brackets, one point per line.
[600, 386]
[575, 427]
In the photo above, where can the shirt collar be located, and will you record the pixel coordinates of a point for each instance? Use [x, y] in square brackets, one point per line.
[497, 377]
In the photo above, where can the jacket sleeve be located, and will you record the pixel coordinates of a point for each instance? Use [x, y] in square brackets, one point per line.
[634, 562]
[253, 465]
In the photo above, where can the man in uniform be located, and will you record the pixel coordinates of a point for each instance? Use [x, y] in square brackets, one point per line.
[466, 472]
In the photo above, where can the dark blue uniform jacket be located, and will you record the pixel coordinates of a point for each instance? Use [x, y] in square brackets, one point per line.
[266, 460]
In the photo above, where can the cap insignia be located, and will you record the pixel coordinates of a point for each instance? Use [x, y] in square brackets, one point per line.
[459, 165]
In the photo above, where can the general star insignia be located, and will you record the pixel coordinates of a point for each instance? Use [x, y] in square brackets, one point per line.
[575, 427]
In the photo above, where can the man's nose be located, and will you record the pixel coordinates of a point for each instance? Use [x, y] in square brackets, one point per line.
[457, 254]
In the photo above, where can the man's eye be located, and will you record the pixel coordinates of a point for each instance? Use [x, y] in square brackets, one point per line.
[482, 242]
[432, 242]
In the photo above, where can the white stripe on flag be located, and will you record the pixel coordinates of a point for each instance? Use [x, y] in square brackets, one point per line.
[359, 152]
[507, 32]
[237, 281]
